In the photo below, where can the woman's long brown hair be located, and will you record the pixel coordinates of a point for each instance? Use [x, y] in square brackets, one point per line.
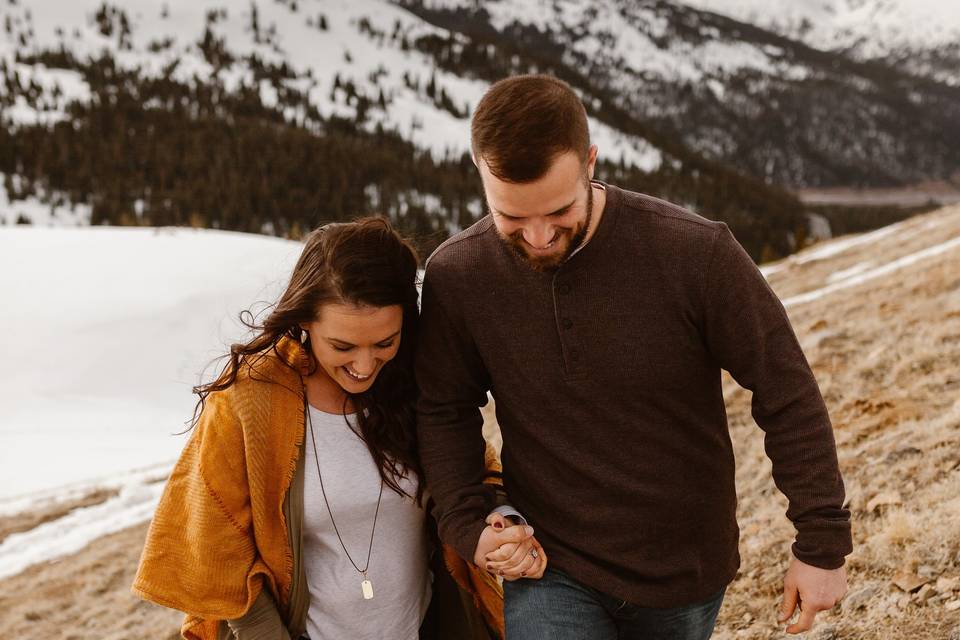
[363, 263]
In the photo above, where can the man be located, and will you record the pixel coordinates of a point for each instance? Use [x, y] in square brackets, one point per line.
[600, 320]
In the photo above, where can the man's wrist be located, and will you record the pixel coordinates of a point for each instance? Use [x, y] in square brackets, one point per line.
[820, 560]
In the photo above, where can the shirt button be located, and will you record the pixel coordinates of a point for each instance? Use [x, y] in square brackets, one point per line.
[564, 288]
[574, 354]
[567, 323]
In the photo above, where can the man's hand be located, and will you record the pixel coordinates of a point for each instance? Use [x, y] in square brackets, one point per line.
[505, 550]
[515, 560]
[813, 590]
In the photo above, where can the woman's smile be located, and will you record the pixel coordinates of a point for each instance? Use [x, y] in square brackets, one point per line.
[356, 377]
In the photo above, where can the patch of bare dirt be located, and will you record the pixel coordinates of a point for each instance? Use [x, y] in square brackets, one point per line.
[85, 596]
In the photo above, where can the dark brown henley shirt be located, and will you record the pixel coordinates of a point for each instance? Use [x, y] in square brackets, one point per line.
[606, 377]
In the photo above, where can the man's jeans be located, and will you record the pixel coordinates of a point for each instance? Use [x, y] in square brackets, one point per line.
[556, 607]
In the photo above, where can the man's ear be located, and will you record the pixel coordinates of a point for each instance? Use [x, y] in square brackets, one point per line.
[474, 158]
[591, 160]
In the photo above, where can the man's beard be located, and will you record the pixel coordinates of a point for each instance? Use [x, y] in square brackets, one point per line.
[577, 236]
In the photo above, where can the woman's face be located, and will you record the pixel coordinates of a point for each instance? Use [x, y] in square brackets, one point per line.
[351, 344]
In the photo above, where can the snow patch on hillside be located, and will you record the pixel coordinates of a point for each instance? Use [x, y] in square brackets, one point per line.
[864, 275]
[137, 498]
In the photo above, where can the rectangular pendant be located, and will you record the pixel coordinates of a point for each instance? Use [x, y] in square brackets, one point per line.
[367, 587]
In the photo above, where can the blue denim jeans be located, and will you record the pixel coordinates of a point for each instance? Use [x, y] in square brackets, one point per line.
[557, 607]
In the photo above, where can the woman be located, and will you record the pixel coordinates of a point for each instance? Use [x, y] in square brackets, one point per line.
[298, 503]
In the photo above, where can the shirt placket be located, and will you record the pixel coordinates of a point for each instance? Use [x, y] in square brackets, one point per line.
[567, 326]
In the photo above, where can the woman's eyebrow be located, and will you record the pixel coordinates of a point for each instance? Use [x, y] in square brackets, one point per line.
[350, 344]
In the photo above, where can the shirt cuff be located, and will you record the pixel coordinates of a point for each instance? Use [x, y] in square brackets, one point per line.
[508, 511]
[824, 543]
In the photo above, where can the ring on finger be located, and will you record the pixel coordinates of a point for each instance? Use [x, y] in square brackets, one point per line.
[533, 552]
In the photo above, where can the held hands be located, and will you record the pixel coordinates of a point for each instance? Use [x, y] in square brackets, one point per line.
[505, 549]
[813, 590]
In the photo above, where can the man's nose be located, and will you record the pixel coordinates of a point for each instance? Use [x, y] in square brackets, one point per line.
[538, 234]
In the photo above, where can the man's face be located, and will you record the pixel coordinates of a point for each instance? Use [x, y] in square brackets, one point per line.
[546, 220]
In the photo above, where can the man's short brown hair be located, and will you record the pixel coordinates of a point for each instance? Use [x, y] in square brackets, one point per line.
[522, 123]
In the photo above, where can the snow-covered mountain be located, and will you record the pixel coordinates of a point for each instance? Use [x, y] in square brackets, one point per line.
[776, 106]
[271, 116]
[342, 55]
[923, 35]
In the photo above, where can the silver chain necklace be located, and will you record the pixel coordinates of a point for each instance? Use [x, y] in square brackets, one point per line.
[366, 587]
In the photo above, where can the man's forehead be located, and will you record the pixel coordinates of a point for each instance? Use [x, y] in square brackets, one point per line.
[554, 192]
[525, 213]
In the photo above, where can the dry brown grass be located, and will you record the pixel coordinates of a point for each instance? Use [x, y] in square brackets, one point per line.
[887, 356]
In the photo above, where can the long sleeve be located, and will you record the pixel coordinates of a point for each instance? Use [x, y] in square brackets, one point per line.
[749, 334]
[453, 386]
[261, 622]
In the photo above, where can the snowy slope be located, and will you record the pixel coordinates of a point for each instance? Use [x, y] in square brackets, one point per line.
[356, 45]
[105, 330]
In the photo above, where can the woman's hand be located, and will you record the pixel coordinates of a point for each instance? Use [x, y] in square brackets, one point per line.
[515, 560]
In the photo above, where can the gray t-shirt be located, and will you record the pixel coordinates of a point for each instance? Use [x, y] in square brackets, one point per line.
[398, 567]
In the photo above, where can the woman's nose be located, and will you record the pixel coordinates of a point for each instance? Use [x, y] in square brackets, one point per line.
[365, 363]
